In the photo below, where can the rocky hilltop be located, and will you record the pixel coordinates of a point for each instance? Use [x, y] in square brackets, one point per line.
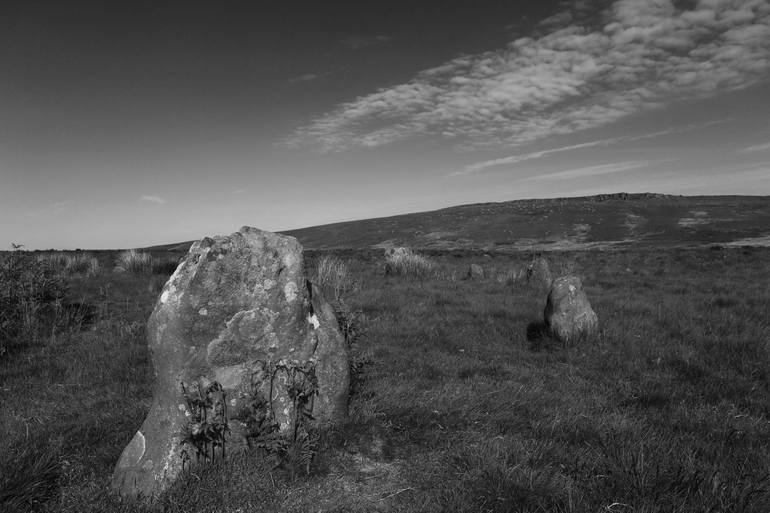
[603, 221]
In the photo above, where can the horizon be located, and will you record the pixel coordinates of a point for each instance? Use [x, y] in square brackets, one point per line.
[137, 124]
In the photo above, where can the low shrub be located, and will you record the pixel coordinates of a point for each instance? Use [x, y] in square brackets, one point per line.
[133, 261]
[28, 291]
[405, 262]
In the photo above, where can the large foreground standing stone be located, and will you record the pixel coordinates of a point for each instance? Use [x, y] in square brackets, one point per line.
[235, 328]
[568, 314]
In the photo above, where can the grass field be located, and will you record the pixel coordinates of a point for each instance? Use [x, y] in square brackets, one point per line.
[454, 407]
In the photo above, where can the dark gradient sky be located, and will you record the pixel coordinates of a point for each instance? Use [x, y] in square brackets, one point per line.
[128, 124]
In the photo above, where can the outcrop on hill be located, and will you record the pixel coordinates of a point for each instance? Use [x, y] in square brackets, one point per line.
[568, 314]
[242, 346]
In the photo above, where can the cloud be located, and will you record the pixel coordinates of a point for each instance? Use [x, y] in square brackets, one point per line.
[601, 169]
[359, 42]
[631, 57]
[756, 148]
[309, 77]
[54, 209]
[153, 199]
[515, 159]
[238, 191]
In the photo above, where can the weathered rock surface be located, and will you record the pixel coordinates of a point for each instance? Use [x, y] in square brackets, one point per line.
[475, 272]
[231, 326]
[568, 313]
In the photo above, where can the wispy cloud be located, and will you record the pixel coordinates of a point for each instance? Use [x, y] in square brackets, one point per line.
[601, 169]
[359, 42]
[756, 148]
[238, 191]
[636, 55]
[515, 159]
[153, 199]
[54, 209]
[309, 77]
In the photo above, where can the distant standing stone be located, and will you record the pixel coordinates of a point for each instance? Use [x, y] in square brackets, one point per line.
[568, 314]
[234, 316]
[475, 272]
[539, 271]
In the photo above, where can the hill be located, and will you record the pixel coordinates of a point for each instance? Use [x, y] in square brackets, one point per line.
[602, 221]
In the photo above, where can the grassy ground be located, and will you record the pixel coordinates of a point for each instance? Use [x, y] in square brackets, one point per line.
[454, 408]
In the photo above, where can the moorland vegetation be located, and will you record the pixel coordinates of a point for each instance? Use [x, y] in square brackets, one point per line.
[455, 404]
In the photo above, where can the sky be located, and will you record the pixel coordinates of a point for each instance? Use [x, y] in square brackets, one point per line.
[128, 124]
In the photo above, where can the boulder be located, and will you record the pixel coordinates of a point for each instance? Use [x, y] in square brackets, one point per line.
[568, 315]
[236, 332]
[475, 272]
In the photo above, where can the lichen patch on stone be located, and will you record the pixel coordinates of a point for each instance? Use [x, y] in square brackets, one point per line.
[290, 291]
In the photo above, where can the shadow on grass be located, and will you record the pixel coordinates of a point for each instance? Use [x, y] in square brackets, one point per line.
[538, 337]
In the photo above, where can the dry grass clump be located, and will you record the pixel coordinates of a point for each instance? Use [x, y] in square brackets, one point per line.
[84, 264]
[334, 277]
[133, 261]
[56, 261]
[511, 276]
[405, 262]
[336, 281]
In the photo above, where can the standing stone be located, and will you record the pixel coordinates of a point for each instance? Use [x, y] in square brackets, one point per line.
[568, 314]
[539, 271]
[475, 272]
[232, 325]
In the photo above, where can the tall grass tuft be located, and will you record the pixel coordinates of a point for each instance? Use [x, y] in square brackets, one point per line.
[133, 261]
[511, 276]
[84, 264]
[405, 262]
[333, 276]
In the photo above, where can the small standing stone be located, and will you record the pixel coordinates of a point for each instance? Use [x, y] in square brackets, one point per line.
[475, 272]
[538, 271]
[568, 314]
